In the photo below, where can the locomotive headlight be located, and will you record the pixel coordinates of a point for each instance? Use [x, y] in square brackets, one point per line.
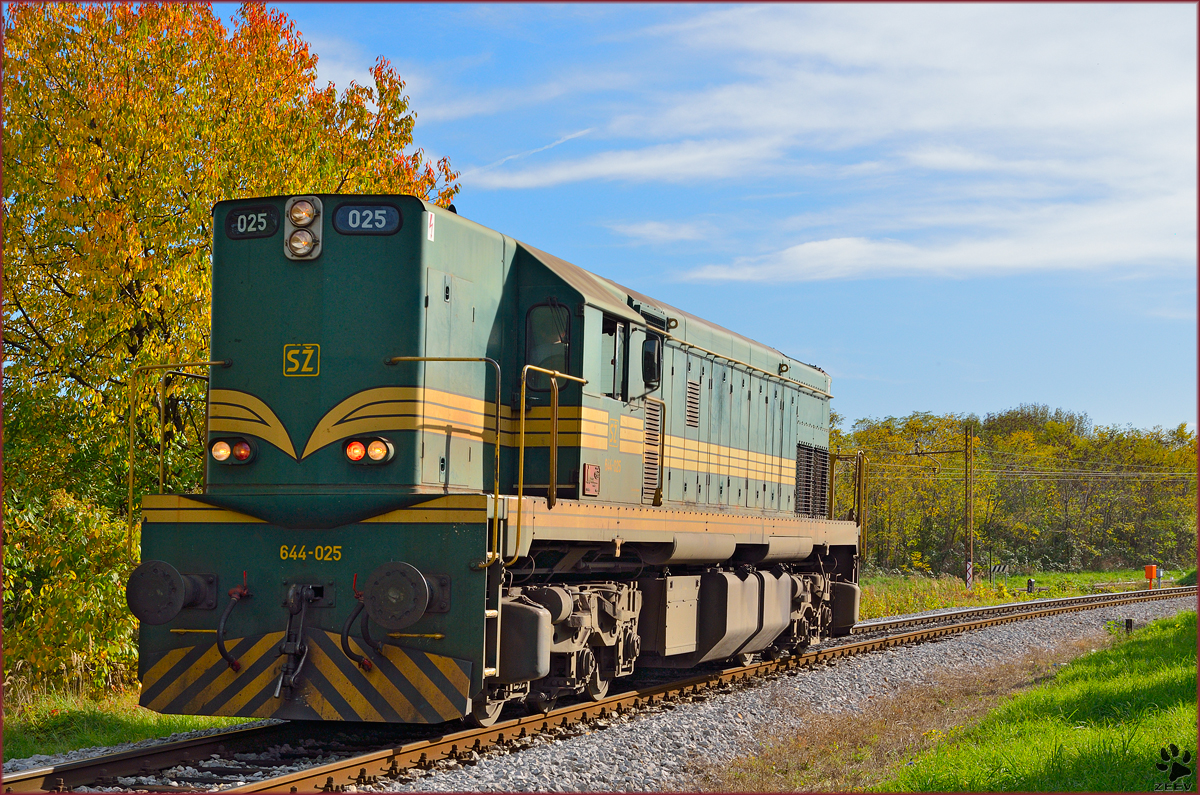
[301, 242]
[302, 213]
[369, 450]
[232, 452]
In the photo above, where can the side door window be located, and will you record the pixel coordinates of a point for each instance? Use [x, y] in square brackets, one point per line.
[547, 342]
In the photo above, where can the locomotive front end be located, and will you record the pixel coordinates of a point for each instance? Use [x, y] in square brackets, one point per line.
[337, 564]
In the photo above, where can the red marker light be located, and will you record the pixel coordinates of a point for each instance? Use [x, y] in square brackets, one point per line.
[241, 451]
[355, 451]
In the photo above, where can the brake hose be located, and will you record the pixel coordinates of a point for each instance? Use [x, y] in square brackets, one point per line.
[362, 662]
[236, 594]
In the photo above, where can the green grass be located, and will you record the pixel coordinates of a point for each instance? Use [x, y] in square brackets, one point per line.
[51, 723]
[896, 594]
[1098, 726]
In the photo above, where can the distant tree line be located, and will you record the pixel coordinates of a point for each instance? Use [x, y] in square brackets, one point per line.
[1051, 491]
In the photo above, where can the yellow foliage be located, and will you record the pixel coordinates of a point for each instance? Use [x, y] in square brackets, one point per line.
[124, 124]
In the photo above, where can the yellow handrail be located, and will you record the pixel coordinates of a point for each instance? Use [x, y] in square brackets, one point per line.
[162, 421]
[494, 554]
[132, 412]
[860, 486]
[551, 492]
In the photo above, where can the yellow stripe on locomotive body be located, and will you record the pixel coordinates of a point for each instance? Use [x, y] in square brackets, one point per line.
[360, 551]
[392, 409]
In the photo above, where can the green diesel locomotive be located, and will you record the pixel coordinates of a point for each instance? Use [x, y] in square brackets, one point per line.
[446, 471]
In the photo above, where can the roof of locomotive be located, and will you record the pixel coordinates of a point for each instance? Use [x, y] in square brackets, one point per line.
[619, 300]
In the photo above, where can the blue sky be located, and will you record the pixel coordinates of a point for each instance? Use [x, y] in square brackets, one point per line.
[946, 207]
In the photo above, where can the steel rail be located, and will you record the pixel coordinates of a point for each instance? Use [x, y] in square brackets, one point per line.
[1095, 599]
[85, 772]
[390, 762]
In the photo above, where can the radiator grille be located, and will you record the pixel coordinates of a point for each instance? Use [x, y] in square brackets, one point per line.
[812, 481]
[693, 404]
[650, 451]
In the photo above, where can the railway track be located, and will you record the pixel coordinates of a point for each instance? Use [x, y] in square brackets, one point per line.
[359, 755]
[1098, 600]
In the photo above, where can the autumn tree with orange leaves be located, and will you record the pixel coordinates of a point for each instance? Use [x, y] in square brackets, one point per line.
[123, 125]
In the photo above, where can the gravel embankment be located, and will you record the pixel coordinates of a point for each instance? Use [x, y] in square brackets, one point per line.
[654, 751]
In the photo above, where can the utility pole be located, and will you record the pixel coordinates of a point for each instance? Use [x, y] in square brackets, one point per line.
[969, 489]
[968, 453]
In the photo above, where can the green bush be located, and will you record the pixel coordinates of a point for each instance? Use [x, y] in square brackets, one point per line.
[1187, 579]
[65, 617]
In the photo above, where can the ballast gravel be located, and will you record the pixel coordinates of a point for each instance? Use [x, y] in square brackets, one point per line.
[656, 749]
[656, 752]
[47, 760]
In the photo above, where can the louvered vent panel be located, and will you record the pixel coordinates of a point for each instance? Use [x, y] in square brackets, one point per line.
[803, 480]
[650, 451]
[693, 404]
[812, 481]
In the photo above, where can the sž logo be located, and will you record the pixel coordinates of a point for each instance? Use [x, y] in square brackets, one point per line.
[302, 359]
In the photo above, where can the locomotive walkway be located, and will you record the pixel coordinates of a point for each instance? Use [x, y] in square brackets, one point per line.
[366, 759]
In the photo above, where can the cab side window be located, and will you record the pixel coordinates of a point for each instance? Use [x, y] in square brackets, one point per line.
[612, 359]
[547, 342]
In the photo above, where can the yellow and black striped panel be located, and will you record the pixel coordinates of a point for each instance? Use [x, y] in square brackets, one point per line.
[404, 685]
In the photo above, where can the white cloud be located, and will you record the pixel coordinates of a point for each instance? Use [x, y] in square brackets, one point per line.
[930, 138]
[466, 175]
[340, 61]
[1151, 235]
[1102, 93]
[659, 231]
[685, 161]
[440, 102]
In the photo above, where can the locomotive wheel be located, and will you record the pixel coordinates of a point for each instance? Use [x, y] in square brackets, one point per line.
[597, 686]
[485, 713]
[539, 705]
